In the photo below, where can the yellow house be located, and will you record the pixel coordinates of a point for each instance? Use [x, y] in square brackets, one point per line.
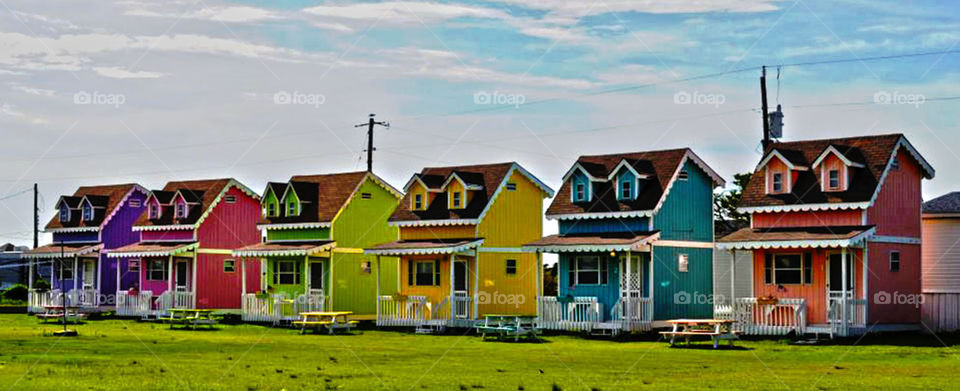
[461, 235]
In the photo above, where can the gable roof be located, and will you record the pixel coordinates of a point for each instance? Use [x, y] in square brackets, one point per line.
[873, 152]
[105, 199]
[489, 178]
[946, 204]
[205, 192]
[659, 167]
[323, 196]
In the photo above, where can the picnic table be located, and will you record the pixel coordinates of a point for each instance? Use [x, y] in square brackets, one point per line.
[515, 326]
[330, 320]
[190, 317]
[61, 312]
[716, 329]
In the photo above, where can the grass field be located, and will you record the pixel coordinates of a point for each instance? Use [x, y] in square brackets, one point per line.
[125, 354]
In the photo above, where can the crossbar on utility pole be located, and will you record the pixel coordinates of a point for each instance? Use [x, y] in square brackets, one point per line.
[369, 124]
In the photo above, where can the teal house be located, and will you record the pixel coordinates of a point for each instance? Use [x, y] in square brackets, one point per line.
[635, 242]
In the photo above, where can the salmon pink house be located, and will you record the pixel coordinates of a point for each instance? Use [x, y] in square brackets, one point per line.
[184, 256]
[834, 237]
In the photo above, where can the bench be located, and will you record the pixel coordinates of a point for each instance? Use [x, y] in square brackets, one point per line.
[331, 321]
[716, 330]
[501, 326]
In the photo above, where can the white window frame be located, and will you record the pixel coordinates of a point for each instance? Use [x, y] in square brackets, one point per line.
[899, 261]
[830, 179]
[233, 265]
[87, 212]
[230, 198]
[803, 274]
[433, 272]
[294, 273]
[151, 269]
[418, 201]
[579, 192]
[64, 214]
[773, 182]
[626, 189]
[153, 210]
[457, 200]
[599, 270]
[134, 203]
[293, 208]
[180, 210]
[271, 209]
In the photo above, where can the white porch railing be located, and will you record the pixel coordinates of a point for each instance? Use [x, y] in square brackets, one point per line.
[633, 313]
[83, 297]
[403, 311]
[779, 318]
[134, 305]
[856, 316]
[461, 301]
[36, 301]
[173, 299]
[277, 308]
[577, 314]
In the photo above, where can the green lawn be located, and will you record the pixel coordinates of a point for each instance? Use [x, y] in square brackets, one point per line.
[124, 354]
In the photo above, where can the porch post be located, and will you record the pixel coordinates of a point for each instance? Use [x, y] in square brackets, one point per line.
[243, 277]
[263, 274]
[99, 266]
[476, 284]
[119, 262]
[733, 277]
[30, 269]
[170, 273]
[539, 279]
[629, 306]
[76, 276]
[306, 274]
[452, 303]
[193, 277]
[866, 268]
[378, 285]
[843, 294]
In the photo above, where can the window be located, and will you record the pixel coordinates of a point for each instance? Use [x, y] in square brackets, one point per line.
[511, 267]
[87, 212]
[788, 269]
[292, 209]
[156, 270]
[834, 179]
[456, 199]
[64, 214]
[286, 273]
[229, 265]
[271, 209]
[580, 193]
[424, 273]
[366, 196]
[153, 211]
[231, 199]
[683, 263]
[135, 203]
[66, 269]
[894, 261]
[365, 267]
[133, 266]
[181, 210]
[684, 175]
[511, 186]
[589, 270]
[777, 182]
[625, 190]
[418, 201]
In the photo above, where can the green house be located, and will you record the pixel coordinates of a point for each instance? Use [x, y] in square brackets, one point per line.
[312, 258]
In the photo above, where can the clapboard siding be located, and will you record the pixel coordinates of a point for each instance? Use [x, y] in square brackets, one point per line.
[941, 311]
[941, 255]
[722, 275]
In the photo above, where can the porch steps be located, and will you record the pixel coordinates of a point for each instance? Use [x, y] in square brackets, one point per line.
[430, 329]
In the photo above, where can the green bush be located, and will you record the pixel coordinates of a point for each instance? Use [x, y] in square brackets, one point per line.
[41, 285]
[17, 292]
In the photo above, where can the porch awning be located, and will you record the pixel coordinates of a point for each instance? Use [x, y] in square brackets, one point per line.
[282, 249]
[69, 250]
[426, 246]
[595, 242]
[797, 237]
[152, 249]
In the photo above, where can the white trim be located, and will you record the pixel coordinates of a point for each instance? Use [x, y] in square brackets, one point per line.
[832, 149]
[72, 229]
[427, 251]
[688, 155]
[216, 201]
[433, 223]
[164, 253]
[683, 244]
[895, 239]
[81, 251]
[506, 250]
[804, 207]
[601, 215]
[284, 253]
[775, 153]
[623, 163]
[168, 227]
[836, 243]
[123, 201]
[416, 177]
[578, 166]
[453, 175]
[643, 245]
[307, 225]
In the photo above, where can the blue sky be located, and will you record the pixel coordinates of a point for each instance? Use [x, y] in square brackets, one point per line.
[187, 89]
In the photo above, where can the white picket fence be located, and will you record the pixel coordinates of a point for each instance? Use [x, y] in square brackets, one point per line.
[576, 314]
[856, 317]
[36, 301]
[403, 311]
[84, 297]
[173, 299]
[278, 308]
[780, 318]
[134, 305]
[633, 314]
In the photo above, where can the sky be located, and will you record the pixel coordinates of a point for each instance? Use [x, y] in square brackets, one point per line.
[99, 92]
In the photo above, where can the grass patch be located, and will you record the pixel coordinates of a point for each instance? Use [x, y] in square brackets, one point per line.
[124, 354]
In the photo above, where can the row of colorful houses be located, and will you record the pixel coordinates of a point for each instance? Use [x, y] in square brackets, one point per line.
[833, 244]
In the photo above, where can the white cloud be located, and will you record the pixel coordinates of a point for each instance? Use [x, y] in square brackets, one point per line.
[33, 90]
[230, 14]
[123, 73]
[393, 12]
[583, 8]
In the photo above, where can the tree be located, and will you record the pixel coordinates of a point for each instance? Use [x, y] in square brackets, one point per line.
[727, 201]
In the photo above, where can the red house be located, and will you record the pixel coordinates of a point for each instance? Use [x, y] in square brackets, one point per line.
[834, 238]
[184, 256]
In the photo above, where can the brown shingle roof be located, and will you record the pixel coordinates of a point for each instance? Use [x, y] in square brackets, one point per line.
[946, 204]
[659, 165]
[107, 196]
[872, 151]
[795, 233]
[205, 191]
[593, 239]
[425, 246]
[68, 249]
[490, 176]
[266, 249]
[324, 196]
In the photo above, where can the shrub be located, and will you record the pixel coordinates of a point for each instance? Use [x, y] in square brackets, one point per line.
[17, 292]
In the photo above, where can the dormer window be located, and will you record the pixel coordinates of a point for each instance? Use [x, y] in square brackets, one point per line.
[87, 212]
[181, 210]
[834, 179]
[626, 192]
[272, 209]
[292, 209]
[580, 193]
[64, 214]
[154, 211]
[457, 201]
[777, 182]
[418, 201]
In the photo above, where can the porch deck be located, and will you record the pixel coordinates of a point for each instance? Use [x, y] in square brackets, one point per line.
[753, 316]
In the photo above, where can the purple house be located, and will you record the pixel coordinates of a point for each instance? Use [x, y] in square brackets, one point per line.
[88, 224]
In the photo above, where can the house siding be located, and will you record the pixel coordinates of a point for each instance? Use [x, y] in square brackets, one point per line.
[687, 213]
[941, 255]
[637, 224]
[299, 234]
[808, 219]
[897, 209]
[118, 233]
[671, 287]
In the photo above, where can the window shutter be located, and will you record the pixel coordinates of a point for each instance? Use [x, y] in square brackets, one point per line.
[768, 269]
[436, 272]
[410, 266]
[807, 268]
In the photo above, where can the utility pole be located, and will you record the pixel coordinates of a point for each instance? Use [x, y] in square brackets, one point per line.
[370, 148]
[763, 108]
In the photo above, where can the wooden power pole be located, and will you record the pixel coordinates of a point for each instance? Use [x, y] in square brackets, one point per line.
[370, 124]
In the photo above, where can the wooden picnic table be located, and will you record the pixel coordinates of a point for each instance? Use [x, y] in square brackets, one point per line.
[61, 312]
[330, 320]
[515, 326]
[190, 317]
[716, 329]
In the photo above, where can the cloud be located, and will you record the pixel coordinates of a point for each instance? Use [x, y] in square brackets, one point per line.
[394, 12]
[230, 14]
[10, 111]
[583, 8]
[33, 90]
[123, 73]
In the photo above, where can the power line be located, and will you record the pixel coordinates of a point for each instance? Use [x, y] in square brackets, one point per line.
[9, 196]
[864, 59]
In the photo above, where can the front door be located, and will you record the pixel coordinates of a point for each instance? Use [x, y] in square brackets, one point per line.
[631, 277]
[461, 303]
[89, 274]
[316, 276]
[182, 276]
[835, 278]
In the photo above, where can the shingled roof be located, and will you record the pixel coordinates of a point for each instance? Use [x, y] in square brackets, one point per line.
[873, 152]
[658, 166]
[321, 196]
[946, 204]
[488, 176]
[104, 199]
[203, 192]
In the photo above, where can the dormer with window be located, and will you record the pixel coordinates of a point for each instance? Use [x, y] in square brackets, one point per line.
[153, 209]
[459, 191]
[180, 209]
[270, 202]
[87, 211]
[834, 170]
[581, 183]
[626, 181]
[64, 212]
[291, 202]
[420, 194]
[780, 172]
